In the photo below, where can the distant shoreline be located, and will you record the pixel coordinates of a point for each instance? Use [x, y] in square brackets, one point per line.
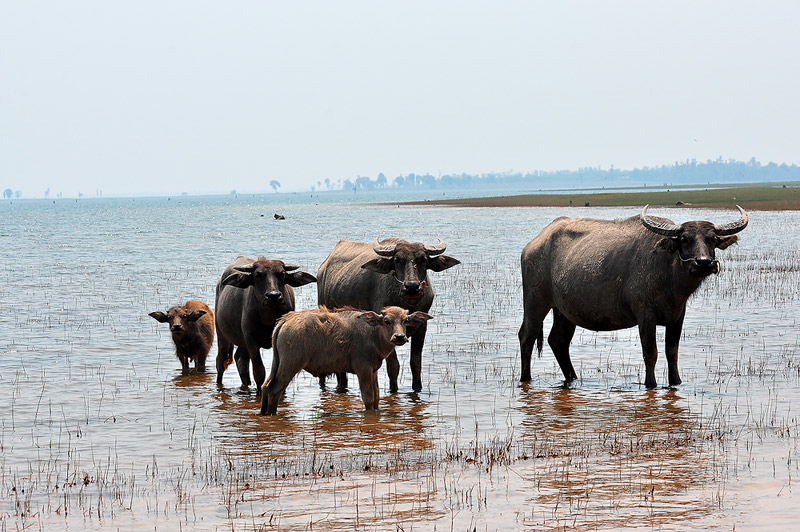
[764, 198]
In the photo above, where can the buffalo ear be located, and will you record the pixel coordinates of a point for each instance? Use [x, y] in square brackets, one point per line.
[419, 317]
[299, 279]
[379, 265]
[196, 315]
[668, 244]
[159, 316]
[442, 262]
[725, 241]
[239, 279]
[371, 317]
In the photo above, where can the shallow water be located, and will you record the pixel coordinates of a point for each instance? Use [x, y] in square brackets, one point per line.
[101, 430]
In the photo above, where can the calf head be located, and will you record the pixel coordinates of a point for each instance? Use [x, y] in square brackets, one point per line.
[394, 323]
[695, 242]
[409, 264]
[179, 318]
[269, 279]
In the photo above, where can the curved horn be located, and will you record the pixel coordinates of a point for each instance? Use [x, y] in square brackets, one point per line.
[383, 251]
[249, 268]
[435, 250]
[290, 267]
[732, 227]
[661, 228]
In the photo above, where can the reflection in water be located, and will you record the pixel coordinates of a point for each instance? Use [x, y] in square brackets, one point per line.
[611, 458]
[193, 380]
[334, 469]
[99, 432]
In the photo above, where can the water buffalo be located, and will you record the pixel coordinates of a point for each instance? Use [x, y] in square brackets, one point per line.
[382, 274]
[609, 275]
[192, 328]
[347, 340]
[252, 295]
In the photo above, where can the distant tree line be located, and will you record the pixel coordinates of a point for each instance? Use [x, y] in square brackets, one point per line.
[680, 173]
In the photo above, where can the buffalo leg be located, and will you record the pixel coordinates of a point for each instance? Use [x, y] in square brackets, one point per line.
[393, 370]
[341, 382]
[184, 365]
[647, 335]
[672, 338]
[530, 332]
[242, 358]
[200, 363]
[259, 372]
[559, 339]
[376, 392]
[417, 341]
[280, 376]
[368, 382]
[224, 356]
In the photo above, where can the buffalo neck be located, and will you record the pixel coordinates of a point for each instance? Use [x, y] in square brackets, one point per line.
[684, 283]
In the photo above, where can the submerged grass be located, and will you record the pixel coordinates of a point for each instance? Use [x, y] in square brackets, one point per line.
[101, 432]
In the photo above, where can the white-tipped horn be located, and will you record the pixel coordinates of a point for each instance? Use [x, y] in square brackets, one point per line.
[732, 227]
[383, 251]
[661, 228]
[435, 250]
[248, 268]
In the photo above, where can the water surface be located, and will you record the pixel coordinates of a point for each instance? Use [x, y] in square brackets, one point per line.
[100, 430]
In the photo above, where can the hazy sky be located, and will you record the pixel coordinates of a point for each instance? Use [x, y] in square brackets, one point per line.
[164, 97]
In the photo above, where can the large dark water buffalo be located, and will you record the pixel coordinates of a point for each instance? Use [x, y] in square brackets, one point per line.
[323, 342]
[252, 295]
[609, 275]
[392, 272]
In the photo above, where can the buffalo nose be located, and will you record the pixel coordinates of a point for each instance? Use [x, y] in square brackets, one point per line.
[399, 339]
[274, 296]
[411, 286]
[176, 327]
[704, 262]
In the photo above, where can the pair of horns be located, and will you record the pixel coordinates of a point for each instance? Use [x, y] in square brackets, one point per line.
[250, 268]
[670, 229]
[388, 251]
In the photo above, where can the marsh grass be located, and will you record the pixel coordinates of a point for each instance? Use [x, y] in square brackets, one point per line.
[102, 432]
[775, 197]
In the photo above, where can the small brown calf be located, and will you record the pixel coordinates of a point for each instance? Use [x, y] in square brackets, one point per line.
[192, 328]
[322, 342]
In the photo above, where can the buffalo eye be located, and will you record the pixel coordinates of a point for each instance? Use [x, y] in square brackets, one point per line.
[684, 240]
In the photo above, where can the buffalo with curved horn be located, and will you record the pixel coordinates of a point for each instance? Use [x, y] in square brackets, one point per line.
[391, 272]
[252, 294]
[609, 275]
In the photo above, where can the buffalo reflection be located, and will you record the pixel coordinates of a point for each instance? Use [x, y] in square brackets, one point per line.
[331, 422]
[192, 379]
[613, 458]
